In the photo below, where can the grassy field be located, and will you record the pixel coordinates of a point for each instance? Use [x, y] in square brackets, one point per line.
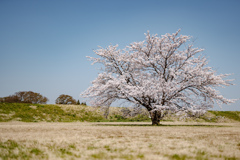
[119, 140]
[36, 131]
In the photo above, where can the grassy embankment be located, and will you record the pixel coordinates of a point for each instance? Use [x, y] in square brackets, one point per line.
[60, 113]
[72, 113]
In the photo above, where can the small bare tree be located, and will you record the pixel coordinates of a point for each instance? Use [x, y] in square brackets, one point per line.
[160, 74]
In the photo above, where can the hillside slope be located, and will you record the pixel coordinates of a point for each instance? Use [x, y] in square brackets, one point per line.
[49, 113]
[70, 113]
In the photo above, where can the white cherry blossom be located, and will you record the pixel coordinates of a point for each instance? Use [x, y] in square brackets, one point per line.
[161, 73]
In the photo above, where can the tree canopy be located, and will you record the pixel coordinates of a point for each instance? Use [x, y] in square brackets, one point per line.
[160, 73]
[25, 97]
[65, 99]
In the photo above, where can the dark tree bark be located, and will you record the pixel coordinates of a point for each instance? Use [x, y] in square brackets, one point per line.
[155, 117]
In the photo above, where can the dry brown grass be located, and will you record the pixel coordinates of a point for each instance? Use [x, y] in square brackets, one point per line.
[176, 140]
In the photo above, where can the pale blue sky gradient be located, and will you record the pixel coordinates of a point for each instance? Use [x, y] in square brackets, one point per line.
[44, 44]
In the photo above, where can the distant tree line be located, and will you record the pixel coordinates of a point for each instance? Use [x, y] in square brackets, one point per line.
[37, 98]
[25, 97]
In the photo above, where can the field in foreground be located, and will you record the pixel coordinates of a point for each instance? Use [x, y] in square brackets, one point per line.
[119, 140]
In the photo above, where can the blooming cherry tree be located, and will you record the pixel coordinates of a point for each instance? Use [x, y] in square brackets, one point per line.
[160, 73]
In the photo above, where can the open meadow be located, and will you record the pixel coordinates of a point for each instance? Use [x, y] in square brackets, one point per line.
[119, 140]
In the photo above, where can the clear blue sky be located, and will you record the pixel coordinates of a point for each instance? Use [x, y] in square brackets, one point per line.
[44, 44]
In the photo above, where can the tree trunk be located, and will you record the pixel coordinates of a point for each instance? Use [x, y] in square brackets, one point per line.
[105, 110]
[156, 117]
